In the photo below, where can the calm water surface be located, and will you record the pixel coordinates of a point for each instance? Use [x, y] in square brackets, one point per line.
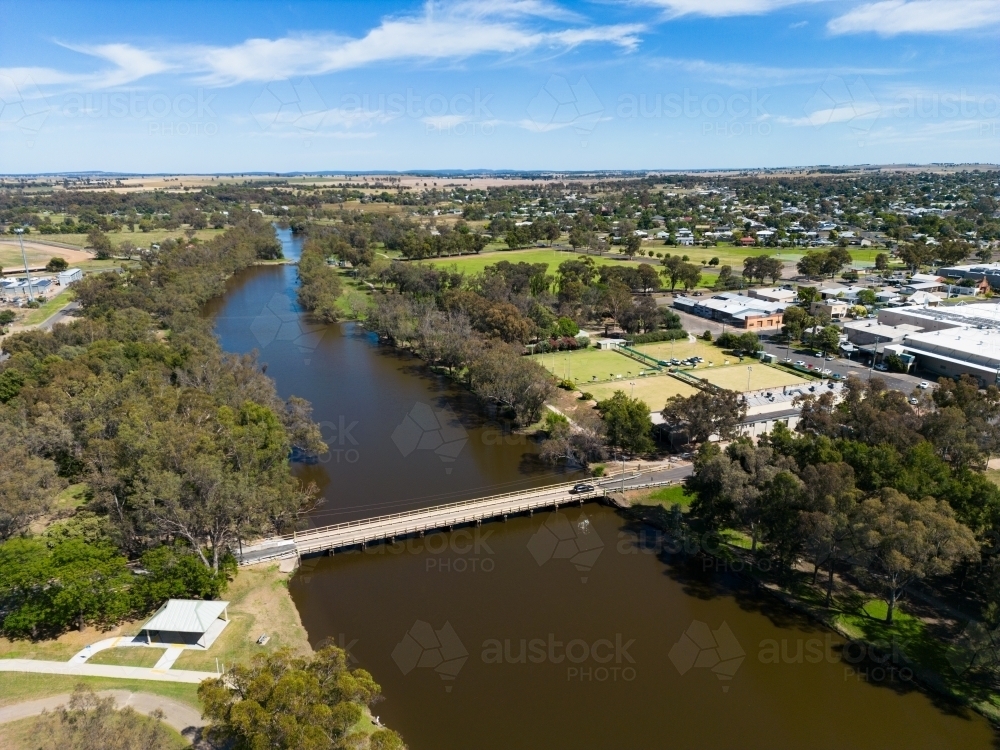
[554, 631]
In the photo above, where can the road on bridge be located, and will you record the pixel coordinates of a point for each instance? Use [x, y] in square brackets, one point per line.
[446, 516]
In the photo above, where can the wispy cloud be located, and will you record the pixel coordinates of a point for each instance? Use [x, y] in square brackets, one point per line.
[455, 31]
[893, 17]
[748, 74]
[722, 8]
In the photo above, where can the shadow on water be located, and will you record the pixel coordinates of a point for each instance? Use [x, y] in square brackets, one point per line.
[707, 578]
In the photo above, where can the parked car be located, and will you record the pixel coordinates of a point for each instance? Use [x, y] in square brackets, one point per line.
[913, 400]
[881, 368]
[924, 385]
[800, 363]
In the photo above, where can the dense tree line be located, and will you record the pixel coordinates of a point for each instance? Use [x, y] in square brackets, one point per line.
[177, 443]
[894, 493]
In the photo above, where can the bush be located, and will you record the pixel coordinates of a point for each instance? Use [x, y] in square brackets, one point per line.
[706, 336]
[567, 385]
[654, 336]
[564, 344]
[586, 396]
[598, 470]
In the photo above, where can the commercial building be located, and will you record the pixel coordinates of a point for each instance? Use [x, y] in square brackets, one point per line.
[870, 333]
[786, 296]
[736, 310]
[835, 309]
[990, 272]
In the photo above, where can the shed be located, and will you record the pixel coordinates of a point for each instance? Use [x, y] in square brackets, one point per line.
[69, 276]
[190, 622]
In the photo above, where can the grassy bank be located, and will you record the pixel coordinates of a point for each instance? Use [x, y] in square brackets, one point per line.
[17, 687]
[259, 603]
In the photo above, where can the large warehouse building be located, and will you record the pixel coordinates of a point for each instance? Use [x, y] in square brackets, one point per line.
[952, 341]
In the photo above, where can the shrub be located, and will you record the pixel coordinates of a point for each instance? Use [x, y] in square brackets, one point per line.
[598, 470]
[706, 336]
[586, 396]
[567, 385]
[653, 336]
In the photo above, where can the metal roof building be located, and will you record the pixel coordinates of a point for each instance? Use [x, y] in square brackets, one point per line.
[191, 622]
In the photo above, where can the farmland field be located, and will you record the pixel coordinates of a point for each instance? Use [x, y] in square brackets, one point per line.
[734, 378]
[654, 390]
[38, 254]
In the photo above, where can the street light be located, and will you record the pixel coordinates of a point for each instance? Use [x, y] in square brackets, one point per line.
[749, 373]
[20, 238]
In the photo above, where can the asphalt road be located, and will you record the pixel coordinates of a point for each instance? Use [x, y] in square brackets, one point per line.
[846, 367]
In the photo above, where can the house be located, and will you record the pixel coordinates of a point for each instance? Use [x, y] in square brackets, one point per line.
[188, 622]
[924, 298]
[922, 286]
[834, 308]
[70, 276]
[747, 241]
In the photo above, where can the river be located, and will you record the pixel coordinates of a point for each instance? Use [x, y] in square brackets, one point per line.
[561, 630]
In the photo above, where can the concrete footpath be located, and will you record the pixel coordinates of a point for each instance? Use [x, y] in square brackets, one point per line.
[180, 716]
[104, 670]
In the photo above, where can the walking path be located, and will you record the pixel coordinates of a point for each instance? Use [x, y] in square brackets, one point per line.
[81, 656]
[170, 655]
[180, 716]
[104, 670]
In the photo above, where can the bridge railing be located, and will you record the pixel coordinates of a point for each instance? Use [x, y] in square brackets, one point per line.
[363, 522]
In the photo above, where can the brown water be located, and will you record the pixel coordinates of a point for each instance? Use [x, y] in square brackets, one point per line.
[606, 663]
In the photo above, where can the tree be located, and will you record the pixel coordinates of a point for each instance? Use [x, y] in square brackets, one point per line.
[627, 423]
[56, 264]
[28, 484]
[89, 722]
[498, 374]
[705, 414]
[284, 702]
[867, 297]
[690, 275]
[98, 241]
[827, 339]
[881, 261]
[617, 298]
[795, 321]
[808, 294]
[903, 540]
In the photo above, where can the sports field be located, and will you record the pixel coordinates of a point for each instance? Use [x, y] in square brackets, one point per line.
[684, 348]
[471, 264]
[653, 389]
[762, 376]
[586, 366]
[38, 254]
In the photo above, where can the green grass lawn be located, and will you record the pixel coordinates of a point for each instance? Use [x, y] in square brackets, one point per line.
[654, 390]
[682, 349]
[128, 656]
[472, 264]
[669, 497]
[586, 366]
[47, 309]
[16, 687]
[734, 378]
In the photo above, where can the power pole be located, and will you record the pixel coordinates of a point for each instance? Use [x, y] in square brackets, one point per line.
[20, 238]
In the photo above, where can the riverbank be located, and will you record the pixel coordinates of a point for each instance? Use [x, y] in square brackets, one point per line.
[905, 652]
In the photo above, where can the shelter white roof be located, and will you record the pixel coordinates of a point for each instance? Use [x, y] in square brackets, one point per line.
[186, 616]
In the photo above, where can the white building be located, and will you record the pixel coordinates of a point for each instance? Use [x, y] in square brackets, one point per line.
[69, 276]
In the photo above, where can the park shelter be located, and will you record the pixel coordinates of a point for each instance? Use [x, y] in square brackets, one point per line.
[188, 622]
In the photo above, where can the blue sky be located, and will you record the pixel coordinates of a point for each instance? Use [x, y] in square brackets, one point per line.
[526, 84]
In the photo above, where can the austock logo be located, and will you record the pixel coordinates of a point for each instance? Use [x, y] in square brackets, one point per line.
[423, 647]
[280, 321]
[700, 647]
[560, 539]
[429, 429]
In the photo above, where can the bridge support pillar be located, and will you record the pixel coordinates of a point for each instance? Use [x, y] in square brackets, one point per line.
[479, 522]
[505, 518]
[421, 533]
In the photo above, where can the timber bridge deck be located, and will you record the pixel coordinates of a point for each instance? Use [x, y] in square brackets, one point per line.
[420, 521]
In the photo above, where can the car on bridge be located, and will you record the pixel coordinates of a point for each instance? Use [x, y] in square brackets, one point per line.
[581, 489]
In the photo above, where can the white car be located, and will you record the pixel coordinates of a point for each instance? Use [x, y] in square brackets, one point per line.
[800, 363]
[924, 385]
[913, 401]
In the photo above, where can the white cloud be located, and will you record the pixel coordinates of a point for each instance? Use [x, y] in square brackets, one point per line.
[741, 75]
[451, 32]
[721, 8]
[892, 17]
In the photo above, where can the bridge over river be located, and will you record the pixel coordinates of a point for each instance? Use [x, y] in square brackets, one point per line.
[435, 518]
